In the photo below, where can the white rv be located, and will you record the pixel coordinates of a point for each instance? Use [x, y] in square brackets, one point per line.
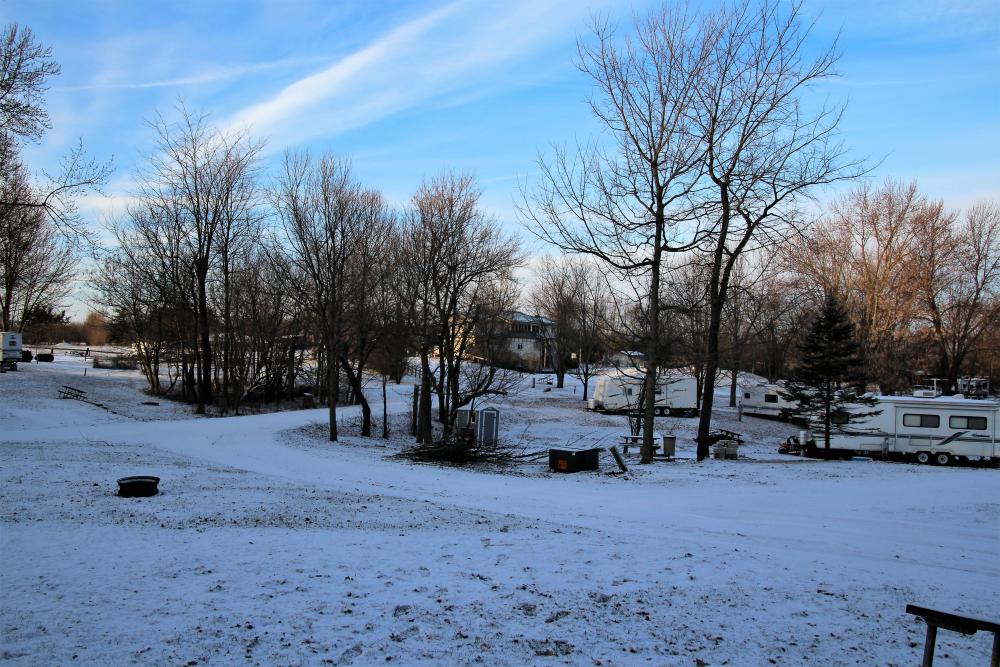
[10, 350]
[675, 394]
[764, 400]
[926, 430]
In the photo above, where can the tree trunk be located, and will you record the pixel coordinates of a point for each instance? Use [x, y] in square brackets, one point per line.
[653, 348]
[735, 373]
[425, 432]
[205, 370]
[385, 409]
[333, 382]
[711, 368]
[359, 396]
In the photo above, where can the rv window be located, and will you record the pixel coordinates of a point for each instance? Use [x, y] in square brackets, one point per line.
[770, 398]
[746, 395]
[658, 392]
[839, 417]
[971, 423]
[922, 421]
[628, 392]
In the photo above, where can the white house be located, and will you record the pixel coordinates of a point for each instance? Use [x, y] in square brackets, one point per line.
[530, 339]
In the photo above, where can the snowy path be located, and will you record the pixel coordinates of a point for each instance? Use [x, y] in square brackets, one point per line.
[841, 516]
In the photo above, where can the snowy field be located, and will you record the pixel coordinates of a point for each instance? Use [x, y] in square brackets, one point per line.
[268, 545]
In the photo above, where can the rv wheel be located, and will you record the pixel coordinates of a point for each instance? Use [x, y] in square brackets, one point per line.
[658, 412]
[942, 459]
[923, 457]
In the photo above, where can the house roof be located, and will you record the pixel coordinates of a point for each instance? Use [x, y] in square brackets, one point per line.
[518, 316]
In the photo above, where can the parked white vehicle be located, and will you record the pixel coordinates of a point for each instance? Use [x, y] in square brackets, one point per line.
[10, 350]
[764, 400]
[675, 394]
[927, 430]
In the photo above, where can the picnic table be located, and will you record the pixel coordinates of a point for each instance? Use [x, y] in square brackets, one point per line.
[627, 440]
[965, 625]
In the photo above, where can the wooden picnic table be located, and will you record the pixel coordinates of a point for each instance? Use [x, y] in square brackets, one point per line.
[966, 625]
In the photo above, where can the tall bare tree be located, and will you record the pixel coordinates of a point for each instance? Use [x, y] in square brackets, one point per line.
[957, 274]
[322, 209]
[201, 180]
[763, 151]
[625, 204]
[461, 264]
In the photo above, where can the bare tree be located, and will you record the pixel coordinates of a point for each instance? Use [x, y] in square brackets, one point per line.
[865, 254]
[36, 265]
[554, 295]
[321, 207]
[763, 151]
[369, 268]
[459, 263]
[589, 319]
[958, 281]
[201, 179]
[626, 205]
[25, 67]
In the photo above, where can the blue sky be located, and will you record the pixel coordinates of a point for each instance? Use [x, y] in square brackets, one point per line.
[407, 89]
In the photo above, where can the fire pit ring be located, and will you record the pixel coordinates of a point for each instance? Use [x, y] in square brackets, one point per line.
[139, 486]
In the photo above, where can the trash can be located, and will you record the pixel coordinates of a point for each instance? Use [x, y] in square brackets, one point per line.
[669, 446]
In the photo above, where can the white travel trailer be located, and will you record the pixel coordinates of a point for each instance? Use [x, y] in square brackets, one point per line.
[675, 394]
[926, 430]
[10, 350]
[764, 400]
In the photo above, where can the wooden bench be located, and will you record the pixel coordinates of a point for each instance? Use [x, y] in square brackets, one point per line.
[956, 623]
[72, 393]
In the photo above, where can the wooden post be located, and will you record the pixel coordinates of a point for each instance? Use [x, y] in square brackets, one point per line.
[618, 459]
[385, 411]
[929, 643]
[415, 410]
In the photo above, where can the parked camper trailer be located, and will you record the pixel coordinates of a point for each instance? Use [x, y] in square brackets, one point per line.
[764, 400]
[926, 430]
[974, 387]
[675, 395]
[10, 350]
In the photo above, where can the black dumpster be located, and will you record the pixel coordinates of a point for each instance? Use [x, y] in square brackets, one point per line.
[573, 460]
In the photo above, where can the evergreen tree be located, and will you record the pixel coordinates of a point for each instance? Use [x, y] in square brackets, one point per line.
[829, 383]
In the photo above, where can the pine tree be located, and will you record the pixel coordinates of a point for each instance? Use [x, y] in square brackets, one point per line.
[829, 376]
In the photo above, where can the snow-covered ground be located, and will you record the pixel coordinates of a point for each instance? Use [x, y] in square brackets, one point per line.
[268, 545]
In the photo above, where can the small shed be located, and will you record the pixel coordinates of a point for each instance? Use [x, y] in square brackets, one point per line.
[484, 424]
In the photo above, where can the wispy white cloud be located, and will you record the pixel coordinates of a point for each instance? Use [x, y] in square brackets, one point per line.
[458, 47]
[206, 76]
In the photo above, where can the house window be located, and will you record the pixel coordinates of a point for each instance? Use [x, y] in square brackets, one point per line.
[628, 392]
[922, 421]
[971, 423]
[520, 346]
[770, 398]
